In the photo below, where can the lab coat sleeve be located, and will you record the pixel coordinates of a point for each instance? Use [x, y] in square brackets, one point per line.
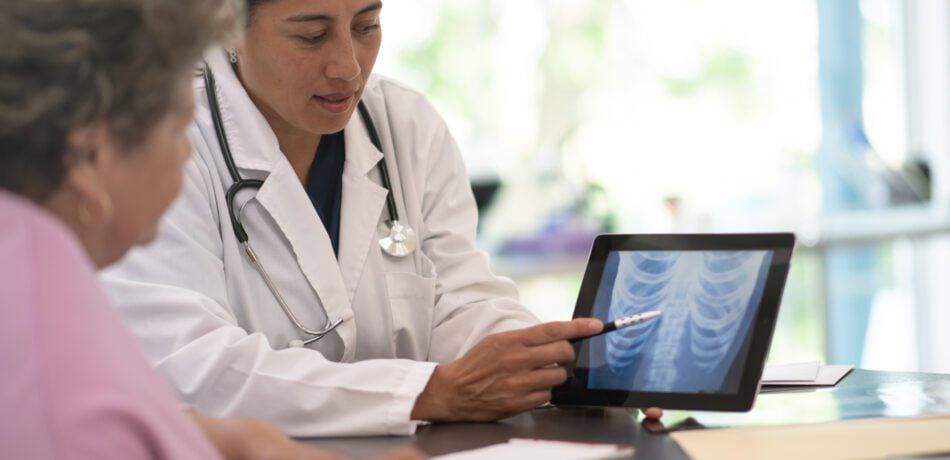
[172, 295]
[471, 301]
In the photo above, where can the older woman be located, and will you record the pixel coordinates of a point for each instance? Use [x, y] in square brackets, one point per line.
[94, 101]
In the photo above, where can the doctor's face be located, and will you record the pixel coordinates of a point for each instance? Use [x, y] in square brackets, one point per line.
[305, 62]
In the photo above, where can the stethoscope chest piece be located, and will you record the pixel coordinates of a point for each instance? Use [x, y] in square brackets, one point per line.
[397, 239]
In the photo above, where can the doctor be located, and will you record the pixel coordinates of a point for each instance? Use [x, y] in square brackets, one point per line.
[359, 305]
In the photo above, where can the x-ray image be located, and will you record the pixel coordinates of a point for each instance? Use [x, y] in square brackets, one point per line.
[698, 344]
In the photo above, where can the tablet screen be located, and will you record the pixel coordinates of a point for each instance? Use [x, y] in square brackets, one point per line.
[718, 296]
[699, 344]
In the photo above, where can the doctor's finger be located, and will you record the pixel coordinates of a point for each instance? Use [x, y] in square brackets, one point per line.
[536, 399]
[508, 406]
[558, 330]
[558, 352]
[539, 379]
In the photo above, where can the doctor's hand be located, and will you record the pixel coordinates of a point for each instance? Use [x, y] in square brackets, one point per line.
[503, 374]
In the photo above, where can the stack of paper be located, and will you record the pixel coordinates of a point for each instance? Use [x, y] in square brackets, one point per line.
[866, 438]
[521, 449]
[804, 374]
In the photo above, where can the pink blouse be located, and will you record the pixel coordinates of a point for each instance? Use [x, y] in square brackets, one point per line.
[73, 383]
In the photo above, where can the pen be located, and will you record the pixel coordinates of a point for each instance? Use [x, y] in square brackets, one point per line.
[622, 323]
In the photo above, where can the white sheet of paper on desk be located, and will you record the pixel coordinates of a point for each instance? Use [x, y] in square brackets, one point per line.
[827, 375]
[521, 449]
[797, 372]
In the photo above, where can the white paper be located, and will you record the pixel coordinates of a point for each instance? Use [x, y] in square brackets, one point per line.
[521, 449]
[797, 372]
[827, 375]
[831, 374]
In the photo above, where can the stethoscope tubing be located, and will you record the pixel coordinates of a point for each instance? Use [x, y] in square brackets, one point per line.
[239, 183]
[383, 169]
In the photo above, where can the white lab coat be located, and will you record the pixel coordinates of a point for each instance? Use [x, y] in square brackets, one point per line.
[211, 326]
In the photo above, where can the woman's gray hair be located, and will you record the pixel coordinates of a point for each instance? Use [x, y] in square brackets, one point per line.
[65, 64]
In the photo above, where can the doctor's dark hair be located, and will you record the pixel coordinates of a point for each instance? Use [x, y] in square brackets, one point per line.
[65, 64]
[251, 6]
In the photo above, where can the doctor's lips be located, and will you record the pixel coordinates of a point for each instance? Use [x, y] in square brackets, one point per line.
[621, 323]
[336, 102]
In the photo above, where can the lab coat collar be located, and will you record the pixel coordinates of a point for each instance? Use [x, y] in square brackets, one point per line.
[362, 204]
[361, 155]
[253, 144]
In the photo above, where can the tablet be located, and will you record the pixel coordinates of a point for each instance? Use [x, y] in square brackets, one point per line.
[718, 295]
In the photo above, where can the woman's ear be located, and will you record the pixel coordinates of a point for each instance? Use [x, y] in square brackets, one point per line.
[83, 201]
[89, 158]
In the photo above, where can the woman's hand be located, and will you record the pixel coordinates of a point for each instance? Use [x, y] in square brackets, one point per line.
[403, 453]
[504, 374]
[239, 439]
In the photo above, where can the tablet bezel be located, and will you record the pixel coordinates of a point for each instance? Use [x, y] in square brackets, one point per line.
[575, 392]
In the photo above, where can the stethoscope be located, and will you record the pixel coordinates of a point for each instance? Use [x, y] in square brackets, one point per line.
[395, 238]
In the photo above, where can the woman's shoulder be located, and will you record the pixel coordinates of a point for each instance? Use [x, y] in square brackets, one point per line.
[29, 229]
[64, 390]
[39, 252]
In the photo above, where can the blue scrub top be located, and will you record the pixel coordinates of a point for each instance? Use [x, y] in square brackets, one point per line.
[325, 184]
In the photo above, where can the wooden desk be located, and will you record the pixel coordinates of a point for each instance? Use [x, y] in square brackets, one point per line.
[621, 426]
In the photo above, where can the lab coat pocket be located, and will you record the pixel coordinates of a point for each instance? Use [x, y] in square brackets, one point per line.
[412, 300]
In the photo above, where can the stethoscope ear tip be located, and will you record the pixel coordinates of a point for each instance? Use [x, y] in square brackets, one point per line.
[296, 343]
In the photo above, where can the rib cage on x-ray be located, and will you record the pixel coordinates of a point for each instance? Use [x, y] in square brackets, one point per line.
[702, 294]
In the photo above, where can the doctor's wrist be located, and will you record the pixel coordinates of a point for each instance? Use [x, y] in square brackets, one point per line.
[432, 405]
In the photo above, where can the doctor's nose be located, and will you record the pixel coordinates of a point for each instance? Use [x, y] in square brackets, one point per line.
[343, 64]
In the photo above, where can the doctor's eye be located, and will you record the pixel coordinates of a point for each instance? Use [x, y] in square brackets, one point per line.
[367, 28]
[312, 39]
